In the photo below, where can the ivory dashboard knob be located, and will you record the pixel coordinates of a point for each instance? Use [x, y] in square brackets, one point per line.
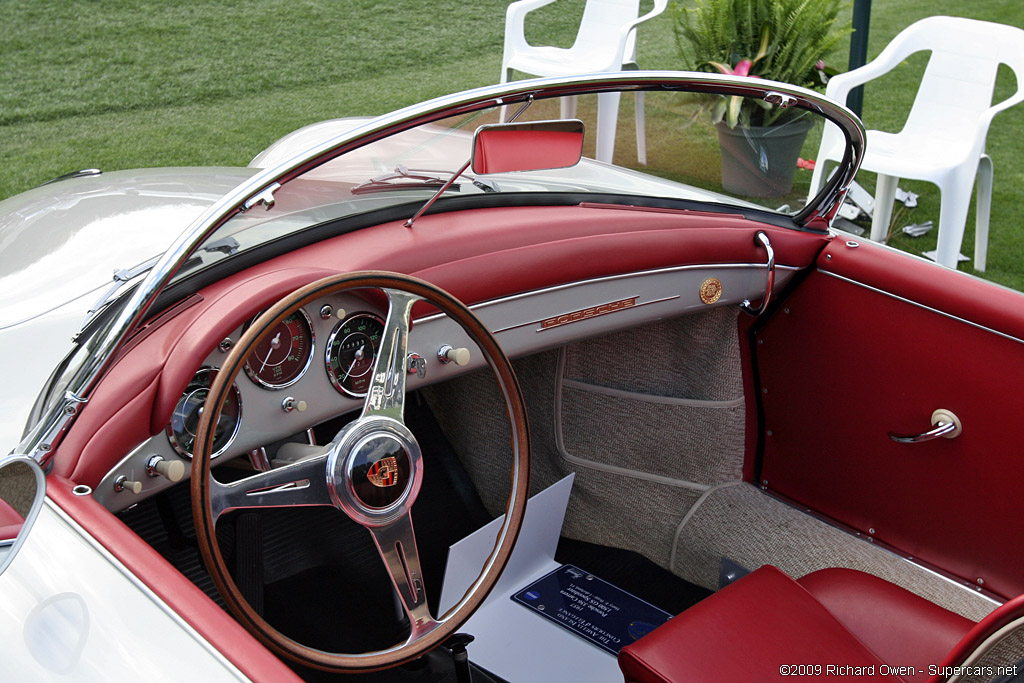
[172, 470]
[449, 354]
[122, 483]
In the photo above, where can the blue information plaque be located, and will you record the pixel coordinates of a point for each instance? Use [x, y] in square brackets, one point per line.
[592, 608]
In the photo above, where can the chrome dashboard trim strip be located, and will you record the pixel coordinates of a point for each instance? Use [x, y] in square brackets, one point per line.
[605, 278]
[923, 306]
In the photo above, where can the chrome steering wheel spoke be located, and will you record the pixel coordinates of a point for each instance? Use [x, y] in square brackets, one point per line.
[299, 484]
[385, 396]
[396, 543]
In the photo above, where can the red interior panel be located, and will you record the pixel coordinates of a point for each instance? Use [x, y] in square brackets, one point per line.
[843, 364]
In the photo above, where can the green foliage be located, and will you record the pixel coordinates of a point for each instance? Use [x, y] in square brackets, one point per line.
[781, 40]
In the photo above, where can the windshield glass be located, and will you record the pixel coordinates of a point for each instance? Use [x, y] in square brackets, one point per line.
[690, 146]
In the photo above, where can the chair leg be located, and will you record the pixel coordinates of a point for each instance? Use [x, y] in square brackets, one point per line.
[567, 107]
[982, 212]
[885, 195]
[956, 199]
[607, 121]
[641, 129]
[506, 77]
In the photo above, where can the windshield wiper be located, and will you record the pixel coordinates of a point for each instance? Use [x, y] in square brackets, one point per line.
[121, 276]
[399, 179]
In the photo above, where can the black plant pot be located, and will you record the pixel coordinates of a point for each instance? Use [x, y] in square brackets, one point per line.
[761, 162]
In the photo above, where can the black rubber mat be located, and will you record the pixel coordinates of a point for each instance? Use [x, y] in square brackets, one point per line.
[633, 573]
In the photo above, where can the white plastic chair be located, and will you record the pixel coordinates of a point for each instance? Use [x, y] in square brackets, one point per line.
[606, 41]
[943, 140]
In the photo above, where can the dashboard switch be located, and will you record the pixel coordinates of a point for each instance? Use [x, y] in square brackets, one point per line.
[123, 484]
[415, 365]
[448, 354]
[173, 470]
[291, 403]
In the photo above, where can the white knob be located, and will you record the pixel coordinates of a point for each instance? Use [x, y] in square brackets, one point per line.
[173, 470]
[459, 356]
[290, 404]
[123, 484]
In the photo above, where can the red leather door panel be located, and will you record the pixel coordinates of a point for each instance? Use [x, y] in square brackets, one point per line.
[865, 346]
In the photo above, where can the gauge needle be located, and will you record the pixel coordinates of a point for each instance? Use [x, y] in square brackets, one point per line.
[275, 344]
[356, 357]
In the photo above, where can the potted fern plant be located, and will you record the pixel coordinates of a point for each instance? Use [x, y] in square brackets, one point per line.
[780, 40]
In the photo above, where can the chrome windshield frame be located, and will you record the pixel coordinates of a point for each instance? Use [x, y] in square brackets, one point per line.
[43, 437]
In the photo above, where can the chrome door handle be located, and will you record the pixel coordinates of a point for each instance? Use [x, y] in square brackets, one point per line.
[762, 238]
[946, 425]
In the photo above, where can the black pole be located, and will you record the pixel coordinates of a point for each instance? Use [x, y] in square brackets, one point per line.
[859, 50]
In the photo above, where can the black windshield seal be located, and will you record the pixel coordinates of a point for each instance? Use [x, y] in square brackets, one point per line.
[340, 226]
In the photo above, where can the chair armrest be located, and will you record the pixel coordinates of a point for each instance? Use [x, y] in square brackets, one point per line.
[898, 49]
[515, 35]
[627, 29]
[840, 85]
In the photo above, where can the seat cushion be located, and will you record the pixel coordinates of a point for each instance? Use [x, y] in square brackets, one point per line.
[749, 631]
[898, 626]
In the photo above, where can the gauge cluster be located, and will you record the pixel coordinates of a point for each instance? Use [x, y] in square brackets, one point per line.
[314, 365]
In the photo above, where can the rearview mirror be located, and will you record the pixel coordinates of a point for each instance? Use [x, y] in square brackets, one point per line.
[22, 487]
[530, 146]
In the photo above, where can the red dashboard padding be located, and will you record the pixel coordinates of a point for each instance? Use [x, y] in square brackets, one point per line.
[752, 630]
[476, 255]
[900, 627]
[182, 596]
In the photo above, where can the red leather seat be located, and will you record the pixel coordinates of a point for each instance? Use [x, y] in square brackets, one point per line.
[832, 624]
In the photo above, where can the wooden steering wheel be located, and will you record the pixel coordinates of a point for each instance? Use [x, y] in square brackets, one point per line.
[377, 448]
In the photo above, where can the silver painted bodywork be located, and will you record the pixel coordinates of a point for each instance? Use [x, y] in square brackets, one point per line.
[83, 617]
[60, 245]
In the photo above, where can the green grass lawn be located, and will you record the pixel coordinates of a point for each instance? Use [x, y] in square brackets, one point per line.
[123, 84]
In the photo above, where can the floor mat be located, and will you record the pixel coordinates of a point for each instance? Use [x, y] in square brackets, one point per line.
[633, 573]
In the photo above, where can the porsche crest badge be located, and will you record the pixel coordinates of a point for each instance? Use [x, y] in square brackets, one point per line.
[710, 290]
[384, 472]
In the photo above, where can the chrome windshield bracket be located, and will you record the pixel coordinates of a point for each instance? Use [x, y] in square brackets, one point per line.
[264, 197]
[781, 100]
[762, 238]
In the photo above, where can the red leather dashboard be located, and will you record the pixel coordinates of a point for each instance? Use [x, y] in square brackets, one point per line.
[476, 255]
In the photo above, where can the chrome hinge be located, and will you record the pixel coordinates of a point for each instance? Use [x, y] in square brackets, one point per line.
[264, 197]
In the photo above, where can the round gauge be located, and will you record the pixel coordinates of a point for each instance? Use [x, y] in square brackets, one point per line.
[182, 430]
[351, 350]
[284, 354]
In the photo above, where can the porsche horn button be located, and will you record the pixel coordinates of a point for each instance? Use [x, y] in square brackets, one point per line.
[384, 472]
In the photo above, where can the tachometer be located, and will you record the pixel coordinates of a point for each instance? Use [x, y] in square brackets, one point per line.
[283, 356]
[351, 350]
[182, 430]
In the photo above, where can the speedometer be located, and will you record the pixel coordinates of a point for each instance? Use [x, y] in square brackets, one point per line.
[284, 354]
[351, 351]
[181, 432]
